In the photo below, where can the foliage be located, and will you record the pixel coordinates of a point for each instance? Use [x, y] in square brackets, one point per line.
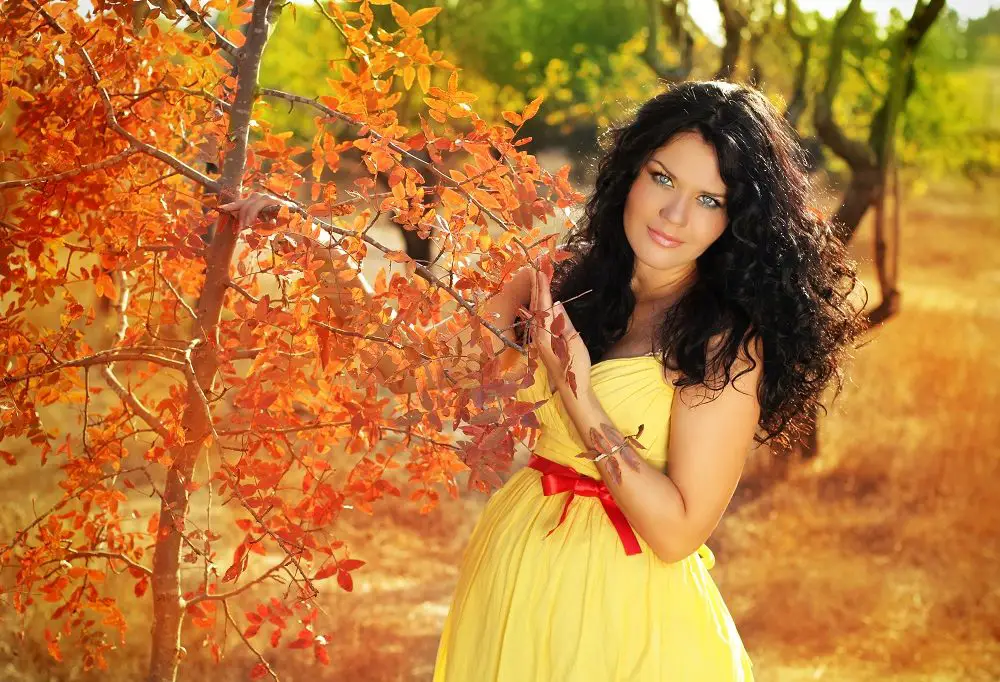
[264, 406]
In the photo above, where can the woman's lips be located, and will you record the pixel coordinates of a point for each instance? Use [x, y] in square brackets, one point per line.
[663, 240]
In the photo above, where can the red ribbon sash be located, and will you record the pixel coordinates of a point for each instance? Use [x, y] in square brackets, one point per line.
[558, 478]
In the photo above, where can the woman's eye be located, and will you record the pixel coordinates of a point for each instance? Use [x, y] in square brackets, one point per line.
[710, 202]
[657, 176]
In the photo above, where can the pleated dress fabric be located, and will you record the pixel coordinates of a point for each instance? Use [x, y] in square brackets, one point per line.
[531, 606]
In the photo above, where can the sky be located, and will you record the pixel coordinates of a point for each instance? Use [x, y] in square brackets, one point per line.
[706, 14]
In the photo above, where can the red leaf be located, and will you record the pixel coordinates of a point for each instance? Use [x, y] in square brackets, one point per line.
[345, 580]
[258, 671]
[326, 571]
[351, 564]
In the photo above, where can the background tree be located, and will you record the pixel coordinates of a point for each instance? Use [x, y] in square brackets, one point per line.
[116, 109]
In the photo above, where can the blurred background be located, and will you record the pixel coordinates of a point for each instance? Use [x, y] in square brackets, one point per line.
[869, 552]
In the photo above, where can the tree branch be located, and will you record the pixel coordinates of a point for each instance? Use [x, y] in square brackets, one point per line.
[223, 596]
[239, 631]
[858, 155]
[220, 40]
[55, 177]
[101, 358]
[657, 12]
[110, 556]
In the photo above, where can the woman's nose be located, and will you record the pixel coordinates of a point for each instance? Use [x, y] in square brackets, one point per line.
[676, 210]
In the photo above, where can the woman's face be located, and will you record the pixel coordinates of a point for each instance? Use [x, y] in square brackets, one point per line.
[676, 206]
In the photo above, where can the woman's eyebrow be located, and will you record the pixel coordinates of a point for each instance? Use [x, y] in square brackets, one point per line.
[721, 195]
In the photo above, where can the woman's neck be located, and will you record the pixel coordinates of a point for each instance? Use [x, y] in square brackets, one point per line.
[660, 289]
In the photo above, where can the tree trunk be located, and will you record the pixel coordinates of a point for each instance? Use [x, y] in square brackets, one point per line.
[168, 607]
[669, 15]
[869, 160]
[733, 23]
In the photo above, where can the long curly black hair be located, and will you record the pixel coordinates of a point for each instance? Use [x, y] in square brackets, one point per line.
[777, 276]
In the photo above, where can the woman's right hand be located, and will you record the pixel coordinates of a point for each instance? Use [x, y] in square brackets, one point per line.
[249, 208]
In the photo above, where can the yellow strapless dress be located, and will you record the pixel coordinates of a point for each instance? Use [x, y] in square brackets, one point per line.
[572, 606]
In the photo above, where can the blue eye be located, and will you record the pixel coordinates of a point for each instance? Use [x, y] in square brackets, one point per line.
[714, 203]
[661, 175]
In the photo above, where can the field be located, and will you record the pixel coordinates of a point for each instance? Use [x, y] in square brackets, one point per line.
[874, 561]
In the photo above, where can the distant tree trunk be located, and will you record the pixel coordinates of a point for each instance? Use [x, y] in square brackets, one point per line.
[797, 103]
[733, 23]
[417, 248]
[869, 161]
[671, 14]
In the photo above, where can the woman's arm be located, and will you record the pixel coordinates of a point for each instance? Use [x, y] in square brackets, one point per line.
[343, 281]
[708, 445]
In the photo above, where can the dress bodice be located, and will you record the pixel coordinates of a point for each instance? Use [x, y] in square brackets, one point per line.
[632, 390]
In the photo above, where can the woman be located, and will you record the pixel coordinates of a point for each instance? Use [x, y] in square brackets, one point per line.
[704, 306]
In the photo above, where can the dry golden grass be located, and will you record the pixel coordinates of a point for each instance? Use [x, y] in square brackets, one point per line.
[874, 562]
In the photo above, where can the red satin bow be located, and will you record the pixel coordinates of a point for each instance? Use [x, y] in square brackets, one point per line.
[558, 478]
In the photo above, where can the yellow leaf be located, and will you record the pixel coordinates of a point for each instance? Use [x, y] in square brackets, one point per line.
[512, 118]
[422, 16]
[401, 16]
[21, 94]
[409, 73]
[424, 78]
[487, 200]
[532, 109]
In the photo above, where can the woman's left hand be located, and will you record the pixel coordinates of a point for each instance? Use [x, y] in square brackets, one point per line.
[560, 346]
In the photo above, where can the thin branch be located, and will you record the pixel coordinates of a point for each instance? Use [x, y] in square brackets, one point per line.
[196, 386]
[857, 154]
[239, 631]
[243, 292]
[860, 69]
[55, 177]
[110, 556]
[223, 596]
[125, 395]
[220, 40]
[24, 532]
[192, 92]
[657, 14]
[180, 299]
[102, 357]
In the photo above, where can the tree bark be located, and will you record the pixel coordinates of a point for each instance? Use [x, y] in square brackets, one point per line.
[168, 607]
[797, 103]
[668, 14]
[733, 23]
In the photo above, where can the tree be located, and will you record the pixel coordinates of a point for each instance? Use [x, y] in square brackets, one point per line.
[115, 107]
[869, 160]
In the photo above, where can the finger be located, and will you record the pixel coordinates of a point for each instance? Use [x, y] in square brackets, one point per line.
[253, 210]
[228, 207]
[546, 292]
[533, 307]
